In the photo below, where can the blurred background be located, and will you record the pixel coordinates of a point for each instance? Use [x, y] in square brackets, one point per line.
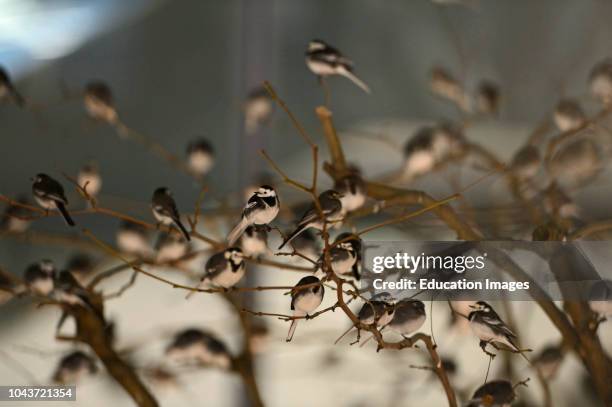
[183, 70]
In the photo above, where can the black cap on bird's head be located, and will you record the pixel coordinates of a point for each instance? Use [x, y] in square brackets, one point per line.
[265, 191]
[480, 306]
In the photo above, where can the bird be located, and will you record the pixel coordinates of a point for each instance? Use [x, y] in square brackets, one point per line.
[261, 209]
[306, 297]
[16, 217]
[224, 269]
[50, 195]
[89, 179]
[496, 393]
[170, 247]
[306, 244]
[600, 81]
[342, 257]
[8, 90]
[489, 327]
[488, 98]
[600, 298]
[254, 241]
[68, 290]
[548, 361]
[331, 208]
[99, 104]
[356, 243]
[133, 239]
[195, 346]
[408, 317]
[73, 367]
[165, 211]
[200, 157]
[379, 310]
[444, 85]
[39, 278]
[568, 115]
[81, 265]
[324, 60]
[258, 109]
[352, 189]
[578, 161]
[526, 162]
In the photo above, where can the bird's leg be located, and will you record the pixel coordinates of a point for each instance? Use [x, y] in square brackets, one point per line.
[358, 337]
[483, 346]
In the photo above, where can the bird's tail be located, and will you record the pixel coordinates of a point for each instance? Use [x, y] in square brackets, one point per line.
[348, 74]
[62, 208]
[343, 335]
[292, 236]
[237, 231]
[184, 231]
[292, 327]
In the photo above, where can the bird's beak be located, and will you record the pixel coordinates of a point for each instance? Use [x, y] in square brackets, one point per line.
[472, 306]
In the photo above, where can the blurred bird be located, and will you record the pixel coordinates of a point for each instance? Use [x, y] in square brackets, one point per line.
[170, 247]
[331, 208]
[342, 258]
[194, 346]
[307, 244]
[444, 85]
[496, 393]
[548, 361]
[488, 98]
[577, 162]
[50, 195]
[73, 367]
[558, 203]
[600, 298]
[261, 209]
[600, 81]
[133, 239]
[490, 328]
[200, 157]
[68, 290]
[16, 218]
[254, 241]
[165, 211]
[98, 100]
[224, 269]
[89, 178]
[526, 162]
[306, 297]
[408, 317]
[324, 60]
[81, 265]
[379, 310]
[352, 189]
[8, 90]
[258, 109]
[39, 278]
[568, 115]
[356, 243]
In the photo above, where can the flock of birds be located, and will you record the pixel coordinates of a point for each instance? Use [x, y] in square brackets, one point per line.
[430, 146]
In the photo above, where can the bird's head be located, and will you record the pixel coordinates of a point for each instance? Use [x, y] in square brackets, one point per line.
[316, 45]
[481, 306]
[348, 246]
[47, 266]
[265, 191]
[234, 254]
[162, 191]
[40, 177]
[333, 194]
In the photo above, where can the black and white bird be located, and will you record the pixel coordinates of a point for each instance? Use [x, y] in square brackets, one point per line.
[16, 218]
[171, 247]
[306, 297]
[261, 209]
[356, 243]
[324, 60]
[89, 178]
[224, 269]
[600, 81]
[165, 211]
[569, 115]
[496, 393]
[342, 257]
[39, 278]
[8, 90]
[200, 157]
[331, 208]
[352, 189]
[258, 109]
[50, 195]
[194, 346]
[489, 327]
[81, 265]
[254, 241]
[99, 104]
[600, 298]
[408, 317]
[133, 239]
[379, 310]
[73, 367]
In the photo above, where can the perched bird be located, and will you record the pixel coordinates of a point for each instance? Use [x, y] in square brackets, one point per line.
[526, 162]
[89, 178]
[224, 269]
[558, 203]
[488, 98]
[307, 244]
[68, 290]
[324, 60]
[254, 241]
[306, 297]
[352, 189]
[50, 195]
[261, 209]
[548, 361]
[489, 327]
[577, 162]
[356, 244]
[258, 109]
[39, 278]
[496, 393]
[444, 85]
[171, 247]
[568, 115]
[8, 90]
[194, 346]
[165, 211]
[98, 100]
[16, 218]
[200, 157]
[73, 367]
[342, 257]
[133, 239]
[81, 265]
[600, 298]
[408, 317]
[331, 208]
[379, 310]
[600, 81]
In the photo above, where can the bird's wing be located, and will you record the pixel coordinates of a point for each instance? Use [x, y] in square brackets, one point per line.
[166, 205]
[216, 264]
[498, 326]
[253, 205]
